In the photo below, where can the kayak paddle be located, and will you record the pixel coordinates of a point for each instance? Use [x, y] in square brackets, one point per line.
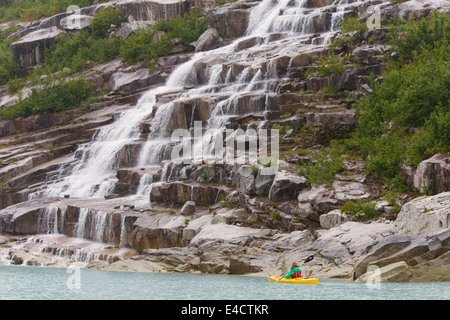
[306, 260]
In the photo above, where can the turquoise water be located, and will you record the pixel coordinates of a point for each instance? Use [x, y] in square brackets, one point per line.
[45, 283]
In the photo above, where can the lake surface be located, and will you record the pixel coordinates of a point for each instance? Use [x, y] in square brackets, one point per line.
[46, 283]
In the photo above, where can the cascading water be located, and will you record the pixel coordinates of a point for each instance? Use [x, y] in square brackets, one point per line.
[229, 73]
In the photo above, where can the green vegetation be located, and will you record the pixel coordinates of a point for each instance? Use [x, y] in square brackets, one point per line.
[103, 21]
[8, 67]
[155, 41]
[330, 65]
[70, 51]
[405, 120]
[54, 97]
[360, 209]
[15, 10]
[275, 215]
[73, 53]
[407, 117]
[352, 24]
[286, 115]
[324, 165]
[203, 174]
[254, 170]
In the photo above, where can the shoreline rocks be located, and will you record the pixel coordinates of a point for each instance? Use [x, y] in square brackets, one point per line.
[207, 243]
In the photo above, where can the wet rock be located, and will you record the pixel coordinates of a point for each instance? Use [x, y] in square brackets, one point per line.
[318, 23]
[320, 83]
[23, 218]
[318, 3]
[263, 182]
[243, 265]
[231, 23]
[247, 43]
[301, 60]
[433, 270]
[180, 192]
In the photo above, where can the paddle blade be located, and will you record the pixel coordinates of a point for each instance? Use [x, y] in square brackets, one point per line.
[308, 259]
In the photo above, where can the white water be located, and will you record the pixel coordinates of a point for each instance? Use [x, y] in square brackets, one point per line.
[94, 175]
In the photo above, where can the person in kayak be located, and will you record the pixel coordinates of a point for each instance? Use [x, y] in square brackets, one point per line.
[295, 272]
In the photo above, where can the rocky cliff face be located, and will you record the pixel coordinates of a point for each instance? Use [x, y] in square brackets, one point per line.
[100, 186]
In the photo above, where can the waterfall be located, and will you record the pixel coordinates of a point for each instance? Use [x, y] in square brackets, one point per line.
[144, 184]
[48, 220]
[81, 224]
[230, 74]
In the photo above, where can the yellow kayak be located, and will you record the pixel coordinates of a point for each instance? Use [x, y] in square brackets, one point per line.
[295, 280]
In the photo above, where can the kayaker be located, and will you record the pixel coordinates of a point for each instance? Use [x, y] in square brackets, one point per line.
[295, 272]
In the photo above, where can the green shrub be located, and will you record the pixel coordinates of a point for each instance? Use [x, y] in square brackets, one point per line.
[54, 97]
[432, 138]
[74, 52]
[102, 21]
[15, 85]
[406, 117]
[351, 24]
[286, 115]
[8, 67]
[20, 10]
[187, 28]
[324, 165]
[155, 41]
[275, 215]
[331, 65]
[421, 35]
[360, 209]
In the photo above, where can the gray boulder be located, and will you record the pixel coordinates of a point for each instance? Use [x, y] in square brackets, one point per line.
[30, 49]
[332, 219]
[209, 40]
[286, 186]
[424, 215]
[245, 179]
[134, 80]
[433, 175]
[188, 208]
